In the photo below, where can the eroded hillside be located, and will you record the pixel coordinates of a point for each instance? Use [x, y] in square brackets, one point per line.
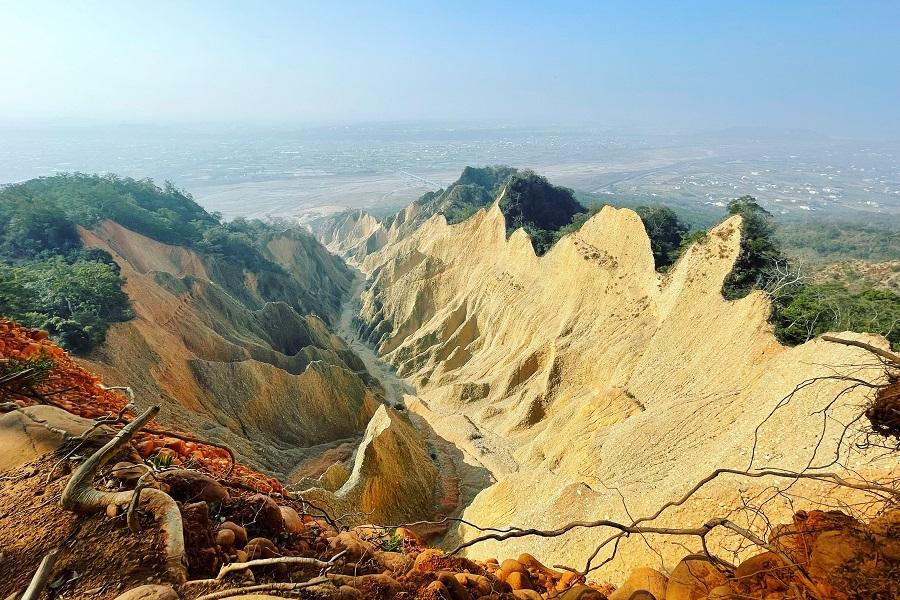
[591, 385]
[575, 408]
[228, 327]
[100, 501]
[256, 374]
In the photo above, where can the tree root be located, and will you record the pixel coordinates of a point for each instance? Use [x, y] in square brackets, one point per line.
[80, 496]
[131, 517]
[880, 352]
[325, 566]
[42, 576]
[265, 587]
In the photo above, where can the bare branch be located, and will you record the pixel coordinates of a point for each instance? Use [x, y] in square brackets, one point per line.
[265, 587]
[266, 562]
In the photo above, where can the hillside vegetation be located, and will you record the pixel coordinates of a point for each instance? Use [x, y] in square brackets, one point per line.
[539, 207]
[802, 309]
[530, 202]
[475, 189]
[49, 280]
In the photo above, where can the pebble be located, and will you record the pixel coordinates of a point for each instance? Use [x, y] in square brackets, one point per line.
[519, 581]
[240, 534]
[190, 486]
[225, 538]
[292, 521]
[261, 548]
[268, 513]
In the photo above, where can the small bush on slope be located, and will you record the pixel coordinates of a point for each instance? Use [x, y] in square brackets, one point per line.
[666, 233]
[760, 252]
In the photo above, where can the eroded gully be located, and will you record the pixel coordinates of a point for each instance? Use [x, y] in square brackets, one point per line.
[462, 475]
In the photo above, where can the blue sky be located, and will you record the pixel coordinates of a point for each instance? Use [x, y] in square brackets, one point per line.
[829, 66]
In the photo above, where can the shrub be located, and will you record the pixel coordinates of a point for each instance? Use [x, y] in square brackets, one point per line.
[666, 233]
[759, 252]
[815, 309]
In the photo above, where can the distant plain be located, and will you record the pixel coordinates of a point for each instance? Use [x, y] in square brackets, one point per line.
[306, 172]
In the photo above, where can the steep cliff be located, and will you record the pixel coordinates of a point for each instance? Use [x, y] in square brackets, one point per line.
[254, 374]
[584, 374]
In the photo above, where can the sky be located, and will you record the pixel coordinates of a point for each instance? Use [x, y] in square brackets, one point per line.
[833, 67]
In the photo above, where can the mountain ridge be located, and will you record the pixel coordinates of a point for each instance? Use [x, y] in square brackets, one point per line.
[525, 347]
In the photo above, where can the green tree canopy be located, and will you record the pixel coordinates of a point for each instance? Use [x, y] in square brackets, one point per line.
[74, 301]
[760, 252]
[815, 309]
[666, 232]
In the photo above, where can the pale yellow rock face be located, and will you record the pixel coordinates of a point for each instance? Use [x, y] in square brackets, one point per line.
[393, 479]
[584, 371]
[356, 234]
[34, 431]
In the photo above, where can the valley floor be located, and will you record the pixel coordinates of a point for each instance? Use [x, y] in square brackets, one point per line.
[462, 474]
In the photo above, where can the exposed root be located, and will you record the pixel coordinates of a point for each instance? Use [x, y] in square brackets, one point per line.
[884, 412]
[265, 587]
[325, 566]
[131, 517]
[80, 496]
[881, 353]
[42, 576]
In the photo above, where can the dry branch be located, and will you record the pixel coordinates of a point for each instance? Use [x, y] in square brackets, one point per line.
[80, 496]
[266, 562]
[515, 533]
[888, 356]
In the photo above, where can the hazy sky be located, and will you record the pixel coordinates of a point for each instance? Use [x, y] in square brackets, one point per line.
[829, 66]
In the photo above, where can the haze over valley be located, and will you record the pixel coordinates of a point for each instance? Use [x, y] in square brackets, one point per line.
[299, 172]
